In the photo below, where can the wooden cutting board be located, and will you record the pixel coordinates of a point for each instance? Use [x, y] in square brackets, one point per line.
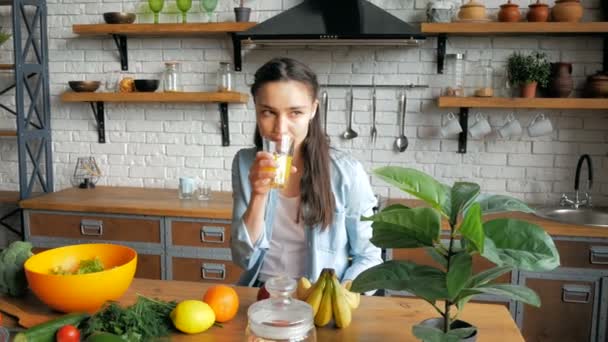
[29, 311]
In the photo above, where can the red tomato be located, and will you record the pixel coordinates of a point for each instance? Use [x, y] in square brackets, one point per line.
[68, 333]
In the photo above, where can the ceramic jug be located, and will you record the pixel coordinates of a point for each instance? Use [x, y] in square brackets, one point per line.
[561, 83]
[597, 85]
[538, 12]
[509, 12]
[567, 10]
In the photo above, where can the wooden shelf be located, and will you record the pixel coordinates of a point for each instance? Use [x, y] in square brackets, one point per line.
[9, 197]
[190, 97]
[491, 28]
[498, 102]
[7, 66]
[7, 133]
[196, 29]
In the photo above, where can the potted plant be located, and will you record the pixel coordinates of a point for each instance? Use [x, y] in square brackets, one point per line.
[4, 36]
[508, 243]
[242, 13]
[528, 71]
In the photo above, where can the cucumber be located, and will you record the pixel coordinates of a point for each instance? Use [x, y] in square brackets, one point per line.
[45, 332]
[104, 337]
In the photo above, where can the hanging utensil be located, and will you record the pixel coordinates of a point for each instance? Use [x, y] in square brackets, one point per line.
[401, 142]
[325, 100]
[374, 132]
[350, 133]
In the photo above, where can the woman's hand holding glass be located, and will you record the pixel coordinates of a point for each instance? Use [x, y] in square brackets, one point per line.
[263, 172]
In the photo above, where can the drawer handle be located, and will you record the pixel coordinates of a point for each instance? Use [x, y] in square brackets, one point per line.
[574, 293]
[213, 271]
[91, 227]
[598, 255]
[213, 234]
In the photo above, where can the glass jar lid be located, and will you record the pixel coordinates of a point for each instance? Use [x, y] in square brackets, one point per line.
[281, 317]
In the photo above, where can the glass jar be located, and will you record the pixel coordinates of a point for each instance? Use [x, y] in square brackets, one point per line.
[171, 77]
[455, 65]
[280, 317]
[485, 87]
[224, 77]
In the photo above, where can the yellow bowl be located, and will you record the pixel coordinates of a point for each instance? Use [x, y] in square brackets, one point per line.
[81, 292]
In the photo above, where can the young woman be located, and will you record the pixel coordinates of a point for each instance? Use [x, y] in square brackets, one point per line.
[314, 221]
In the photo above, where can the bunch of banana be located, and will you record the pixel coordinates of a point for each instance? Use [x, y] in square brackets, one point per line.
[329, 299]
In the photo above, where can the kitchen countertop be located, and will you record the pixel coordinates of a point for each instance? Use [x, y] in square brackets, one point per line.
[376, 319]
[164, 202]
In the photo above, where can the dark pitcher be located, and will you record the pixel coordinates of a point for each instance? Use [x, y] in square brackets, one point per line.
[561, 83]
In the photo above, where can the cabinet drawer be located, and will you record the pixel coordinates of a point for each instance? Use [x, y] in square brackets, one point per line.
[205, 270]
[583, 254]
[421, 257]
[200, 234]
[148, 265]
[93, 227]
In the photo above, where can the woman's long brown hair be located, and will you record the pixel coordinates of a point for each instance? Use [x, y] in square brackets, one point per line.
[315, 185]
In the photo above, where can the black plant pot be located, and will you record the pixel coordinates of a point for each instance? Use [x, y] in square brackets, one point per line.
[437, 322]
[242, 13]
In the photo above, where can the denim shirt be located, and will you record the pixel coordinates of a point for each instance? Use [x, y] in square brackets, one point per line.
[328, 248]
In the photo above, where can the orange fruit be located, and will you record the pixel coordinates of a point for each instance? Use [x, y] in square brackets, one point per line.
[223, 300]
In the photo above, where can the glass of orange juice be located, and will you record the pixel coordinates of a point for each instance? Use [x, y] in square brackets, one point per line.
[282, 151]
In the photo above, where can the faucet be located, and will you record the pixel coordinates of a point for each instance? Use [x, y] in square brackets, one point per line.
[576, 203]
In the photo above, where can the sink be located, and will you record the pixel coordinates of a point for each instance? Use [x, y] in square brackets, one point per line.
[583, 216]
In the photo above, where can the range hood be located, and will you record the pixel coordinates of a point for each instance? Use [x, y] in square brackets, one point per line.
[332, 22]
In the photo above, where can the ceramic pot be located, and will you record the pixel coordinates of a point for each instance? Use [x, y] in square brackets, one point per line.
[597, 85]
[538, 12]
[440, 11]
[509, 12]
[438, 324]
[567, 10]
[561, 83]
[241, 14]
[528, 90]
[472, 11]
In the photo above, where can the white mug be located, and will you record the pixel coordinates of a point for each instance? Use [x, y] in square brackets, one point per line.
[540, 125]
[481, 127]
[511, 128]
[451, 127]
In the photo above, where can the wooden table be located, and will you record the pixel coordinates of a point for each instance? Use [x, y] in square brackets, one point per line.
[377, 319]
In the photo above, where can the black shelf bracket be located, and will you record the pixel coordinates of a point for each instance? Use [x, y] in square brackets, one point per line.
[463, 118]
[441, 42]
[121, 44]
[98, 113]
[224, 123]
[236, 48]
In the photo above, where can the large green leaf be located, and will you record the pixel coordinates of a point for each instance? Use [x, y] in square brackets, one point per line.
[394, 207]
[488, 275]
[418, 184]
[438, 257]
[517, 292]
[423, 281]
[459, 273]
[464, 296]
[501, 203]
[471, 227]
[405, 228]
[520, 244]
[462, 194]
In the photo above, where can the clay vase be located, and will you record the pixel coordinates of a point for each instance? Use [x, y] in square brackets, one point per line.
[528, 90]
[597, 85]
[567, 10]
[561, 83]
[538, 12]
[509, 12]
[472, 11]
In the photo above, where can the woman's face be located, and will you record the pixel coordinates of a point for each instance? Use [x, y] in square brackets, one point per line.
[285, 107]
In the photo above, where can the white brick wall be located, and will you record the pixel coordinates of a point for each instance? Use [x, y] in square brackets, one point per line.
[151, 145]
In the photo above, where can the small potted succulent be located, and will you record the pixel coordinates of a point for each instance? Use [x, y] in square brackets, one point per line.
[4, 36]
[528, 71]
[242, 13]
[508, 243]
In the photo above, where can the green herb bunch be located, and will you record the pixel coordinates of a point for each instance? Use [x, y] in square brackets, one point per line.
[145, 320]
[524, 69]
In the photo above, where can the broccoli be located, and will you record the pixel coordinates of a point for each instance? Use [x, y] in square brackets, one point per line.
[12, 274]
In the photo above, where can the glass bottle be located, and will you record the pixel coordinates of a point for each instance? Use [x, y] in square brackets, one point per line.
[224, 77]
[280, 317]
[171, 77]
[486, 82]
[455, 69]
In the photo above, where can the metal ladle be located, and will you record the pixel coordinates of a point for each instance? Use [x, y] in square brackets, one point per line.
[350, 133]
[401, 142]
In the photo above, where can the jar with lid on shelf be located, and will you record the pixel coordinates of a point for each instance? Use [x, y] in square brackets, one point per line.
[485, 87]
[224, 77]
[171, 77]
[280, 317]
[455, 68]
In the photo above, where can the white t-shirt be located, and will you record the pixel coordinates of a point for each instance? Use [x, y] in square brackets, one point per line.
[288, 247]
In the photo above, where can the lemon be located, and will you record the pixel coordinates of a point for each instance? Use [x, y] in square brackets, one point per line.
[192, 316]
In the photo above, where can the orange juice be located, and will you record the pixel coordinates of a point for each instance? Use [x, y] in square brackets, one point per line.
[282, 170]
